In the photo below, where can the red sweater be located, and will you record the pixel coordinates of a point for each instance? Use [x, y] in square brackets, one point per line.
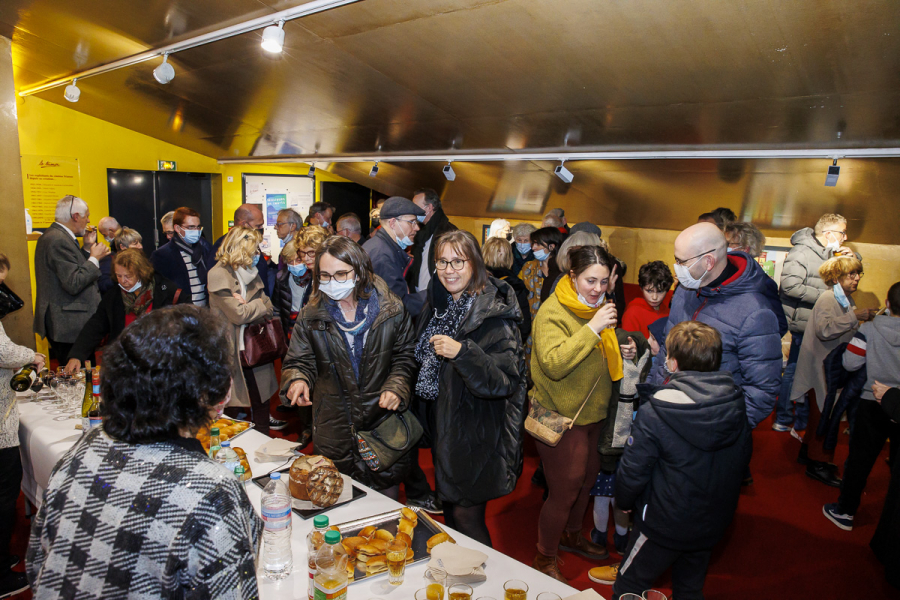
[639, 315]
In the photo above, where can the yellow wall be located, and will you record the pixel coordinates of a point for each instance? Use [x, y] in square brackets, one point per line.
[638, 246]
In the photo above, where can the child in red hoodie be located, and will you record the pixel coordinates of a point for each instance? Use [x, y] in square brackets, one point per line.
[655, 279]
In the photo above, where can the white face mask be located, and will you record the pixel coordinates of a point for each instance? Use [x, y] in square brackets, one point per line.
[133, 289]
[337, 290]
[586, 303]
[109, 240]
[832, 245]
[683, 272]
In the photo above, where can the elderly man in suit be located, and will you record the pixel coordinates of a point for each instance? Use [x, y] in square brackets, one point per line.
[66, 276]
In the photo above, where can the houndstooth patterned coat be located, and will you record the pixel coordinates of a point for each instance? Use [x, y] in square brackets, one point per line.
[157, 520]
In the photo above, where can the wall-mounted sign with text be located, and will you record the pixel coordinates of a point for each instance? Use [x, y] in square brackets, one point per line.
[46, 179]
[166, 165]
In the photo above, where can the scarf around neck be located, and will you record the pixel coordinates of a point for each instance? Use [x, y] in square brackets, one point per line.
[138, 302]
[446, 319]
[609, 344]
[366, 311]
[195, 251]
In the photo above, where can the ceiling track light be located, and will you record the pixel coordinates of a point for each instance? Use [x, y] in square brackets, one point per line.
[563, 173]
[273, 38]
[448, 172]
[165, 72]
[374, 171]
[834, 171]
[72, 93]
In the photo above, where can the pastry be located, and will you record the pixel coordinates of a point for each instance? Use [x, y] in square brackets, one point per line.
[324, 485]
[299, 474]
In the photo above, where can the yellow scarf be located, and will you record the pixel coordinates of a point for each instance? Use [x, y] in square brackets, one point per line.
[609, 344]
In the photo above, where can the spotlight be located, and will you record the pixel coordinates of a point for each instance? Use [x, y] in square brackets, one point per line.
[831, 178]
[164, 73]
[448, 172]
[374, 170]
[273, 38]
[312, 171]
[72, 92]
[563, 173]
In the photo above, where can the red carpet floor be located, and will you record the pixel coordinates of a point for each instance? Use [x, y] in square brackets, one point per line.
[779, 546]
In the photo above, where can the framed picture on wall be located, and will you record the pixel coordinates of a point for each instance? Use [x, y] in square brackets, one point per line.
[485, 230]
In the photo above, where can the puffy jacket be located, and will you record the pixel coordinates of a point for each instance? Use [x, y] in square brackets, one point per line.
[744, 317]
[521, 295]
[801, 285]
[478, 417]
[683, 464]
[388, 364]
[391, 263]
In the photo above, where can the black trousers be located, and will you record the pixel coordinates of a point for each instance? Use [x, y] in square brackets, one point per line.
[10, 482]
[60, 351]
[645, 561]
[259, 408]
[416, 484]
[871, 429]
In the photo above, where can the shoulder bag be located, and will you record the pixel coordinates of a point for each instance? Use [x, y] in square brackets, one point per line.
[548, 426]
[263, 343]
[391, 437]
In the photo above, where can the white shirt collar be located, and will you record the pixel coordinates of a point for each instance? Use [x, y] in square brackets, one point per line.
[67, 230]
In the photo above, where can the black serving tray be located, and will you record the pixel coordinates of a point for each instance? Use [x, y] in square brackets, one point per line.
[263, 480]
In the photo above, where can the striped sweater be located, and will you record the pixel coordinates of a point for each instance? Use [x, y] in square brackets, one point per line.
[877, 347]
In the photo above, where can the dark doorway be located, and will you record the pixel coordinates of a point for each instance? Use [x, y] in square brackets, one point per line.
[348, 197]
[139, 199]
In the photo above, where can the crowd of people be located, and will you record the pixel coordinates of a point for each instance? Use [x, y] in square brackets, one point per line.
[647, 406]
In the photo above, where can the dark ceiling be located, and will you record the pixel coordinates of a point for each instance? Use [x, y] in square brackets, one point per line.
[488, 75]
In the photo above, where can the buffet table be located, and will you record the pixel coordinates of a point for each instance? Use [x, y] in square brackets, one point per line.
[43, 441]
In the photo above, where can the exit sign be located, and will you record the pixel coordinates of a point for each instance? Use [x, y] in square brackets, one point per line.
[166, 165]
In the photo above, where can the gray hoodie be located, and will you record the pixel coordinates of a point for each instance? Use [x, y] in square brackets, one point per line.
[876, 346]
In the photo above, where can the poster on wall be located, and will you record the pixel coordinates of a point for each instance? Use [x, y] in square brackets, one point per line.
[45, 180]
[772, 260]
[275, 193]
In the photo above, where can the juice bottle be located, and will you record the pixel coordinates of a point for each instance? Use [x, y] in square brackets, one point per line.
[331, 570]
[314, 542]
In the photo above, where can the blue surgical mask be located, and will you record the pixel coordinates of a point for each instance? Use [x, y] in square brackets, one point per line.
[192, 236]
[523, 249]
[404, 242]
[541, 255]
[297, 270]
[840, 296]
[420, 218]
[255, 259]
[133, 289]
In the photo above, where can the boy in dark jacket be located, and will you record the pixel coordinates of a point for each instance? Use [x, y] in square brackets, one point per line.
[683, 465]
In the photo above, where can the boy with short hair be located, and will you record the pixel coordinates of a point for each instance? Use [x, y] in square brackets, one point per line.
[655, 279]
[683, 465]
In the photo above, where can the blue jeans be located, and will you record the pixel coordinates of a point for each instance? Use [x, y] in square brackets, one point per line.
[787, 413]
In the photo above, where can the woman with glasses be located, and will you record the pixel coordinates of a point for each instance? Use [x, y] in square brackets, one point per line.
[351, 359]
[236, 294]
[472, 381]
[833, 321]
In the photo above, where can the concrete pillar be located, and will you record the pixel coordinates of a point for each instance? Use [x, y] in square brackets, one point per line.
[13, 240]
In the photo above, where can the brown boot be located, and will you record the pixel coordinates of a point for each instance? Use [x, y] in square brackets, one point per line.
[576, 543]
[548, 566]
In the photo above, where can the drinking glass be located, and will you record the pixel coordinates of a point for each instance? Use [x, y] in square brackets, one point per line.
[630, 597]
[485, 598]
[548, 596]
[653, 595]
[460, 591]
[515, 589]
[422, 594]
[396, 561]
[436, 581]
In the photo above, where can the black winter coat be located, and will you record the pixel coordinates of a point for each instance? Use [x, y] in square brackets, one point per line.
[108, 320]
[521, 291]
[282, 299]
[436, 226]
[477, 420]
[388, 364]
[683, 464]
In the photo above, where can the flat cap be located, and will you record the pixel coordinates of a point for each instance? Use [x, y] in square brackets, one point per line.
[396, 206]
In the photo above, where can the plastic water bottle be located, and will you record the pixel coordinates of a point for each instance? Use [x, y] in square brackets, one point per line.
[331, 570]
[228, 457]
[314, 542]
[276, 513]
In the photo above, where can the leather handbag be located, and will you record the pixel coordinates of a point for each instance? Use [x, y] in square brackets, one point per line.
[548, 426]
[9, 302]
[263, 343]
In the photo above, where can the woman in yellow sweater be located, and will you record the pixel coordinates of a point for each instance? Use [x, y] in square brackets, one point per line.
[575, 360]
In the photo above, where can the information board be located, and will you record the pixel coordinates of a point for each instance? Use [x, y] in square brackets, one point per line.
[274, 193]
[46, 179]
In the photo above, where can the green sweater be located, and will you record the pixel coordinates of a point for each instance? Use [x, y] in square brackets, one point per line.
[566, 362]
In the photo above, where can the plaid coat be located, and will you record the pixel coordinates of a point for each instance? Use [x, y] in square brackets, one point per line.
[157, 520]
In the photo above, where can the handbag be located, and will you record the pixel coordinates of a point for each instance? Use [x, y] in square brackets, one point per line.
[548, 426]
[9, 302]
[263, 343]
[391, 437]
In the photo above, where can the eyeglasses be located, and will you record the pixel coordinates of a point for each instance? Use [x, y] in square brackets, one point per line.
[855, 274]
[340, 276]
[169, 234]
[843, 233]
[456, 263]
[414, 221]
[192, 227]
[279, 224]
[682, 262]
[301, 254]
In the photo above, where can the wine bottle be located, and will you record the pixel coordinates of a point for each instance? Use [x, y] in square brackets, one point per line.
[23, 378]
[94, 412]
[87, 399]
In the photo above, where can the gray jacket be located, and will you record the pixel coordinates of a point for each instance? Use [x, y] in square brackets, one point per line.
[801, 285]
[66, 282]
[876, 346]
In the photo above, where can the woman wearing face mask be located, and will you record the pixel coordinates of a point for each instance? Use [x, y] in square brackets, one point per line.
[351, 353]
[576, 359]
[140, 289]
[544, 243]
[236, 294]
[833, 320]
[472, 379]
[293, 284]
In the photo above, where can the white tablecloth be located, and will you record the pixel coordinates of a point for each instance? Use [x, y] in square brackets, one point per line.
[43, 441]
